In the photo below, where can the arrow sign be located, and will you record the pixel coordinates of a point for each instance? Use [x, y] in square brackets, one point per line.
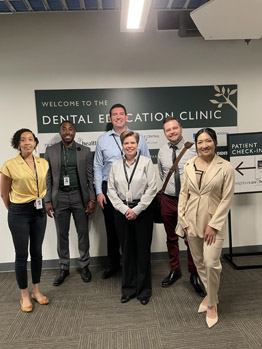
[238, 168]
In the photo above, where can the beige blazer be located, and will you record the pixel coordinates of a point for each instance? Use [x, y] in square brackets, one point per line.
[208, 205]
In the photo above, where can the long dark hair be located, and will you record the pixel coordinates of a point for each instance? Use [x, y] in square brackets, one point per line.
[210, 132]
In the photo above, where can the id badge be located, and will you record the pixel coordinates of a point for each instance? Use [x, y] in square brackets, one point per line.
[39, 204]
[66, 181]
[129, 197]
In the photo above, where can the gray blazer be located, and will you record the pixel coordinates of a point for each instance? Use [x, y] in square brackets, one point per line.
[84, 163]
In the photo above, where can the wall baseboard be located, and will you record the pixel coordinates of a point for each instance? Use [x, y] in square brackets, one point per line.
[102, 261]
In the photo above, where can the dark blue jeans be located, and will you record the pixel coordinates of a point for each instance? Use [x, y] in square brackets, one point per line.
[27, 224]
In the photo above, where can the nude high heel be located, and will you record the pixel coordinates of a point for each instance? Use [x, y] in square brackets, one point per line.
[202, 308]
[211, 322]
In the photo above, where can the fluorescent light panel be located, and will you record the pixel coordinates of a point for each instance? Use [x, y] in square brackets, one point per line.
[134, 14]
[135, 10]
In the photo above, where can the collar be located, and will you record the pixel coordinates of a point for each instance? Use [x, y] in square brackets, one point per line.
[179, 145]
[112, 132]
[20, 160]
[135, 159]
[72, 148]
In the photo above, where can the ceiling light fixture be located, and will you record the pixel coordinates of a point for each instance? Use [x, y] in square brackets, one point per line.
[135, 10]
[134, 15]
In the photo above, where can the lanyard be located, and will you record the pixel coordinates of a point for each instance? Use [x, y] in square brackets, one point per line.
[121, 150]
[36, 175]
[66, 158]
[132, 174]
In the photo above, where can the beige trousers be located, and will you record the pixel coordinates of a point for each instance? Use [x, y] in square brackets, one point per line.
[207, 260]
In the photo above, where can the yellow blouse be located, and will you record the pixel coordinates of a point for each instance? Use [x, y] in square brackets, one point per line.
[24, 185]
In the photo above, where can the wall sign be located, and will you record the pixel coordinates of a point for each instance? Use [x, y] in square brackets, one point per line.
[245, 155]
[195, 107]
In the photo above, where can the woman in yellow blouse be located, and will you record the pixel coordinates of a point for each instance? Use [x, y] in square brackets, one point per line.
[23, 186]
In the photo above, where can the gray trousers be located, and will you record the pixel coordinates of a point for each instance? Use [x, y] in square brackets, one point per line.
[67, 203]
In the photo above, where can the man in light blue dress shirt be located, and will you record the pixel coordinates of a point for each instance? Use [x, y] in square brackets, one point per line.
[109, 149]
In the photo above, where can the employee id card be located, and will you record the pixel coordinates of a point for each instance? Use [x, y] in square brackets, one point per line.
[39, 204]
[66, 181]
[129, 197]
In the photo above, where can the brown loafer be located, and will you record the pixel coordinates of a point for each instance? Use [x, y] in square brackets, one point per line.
[27, 309]
[44, 301]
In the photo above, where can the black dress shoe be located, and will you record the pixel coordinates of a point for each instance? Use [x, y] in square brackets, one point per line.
[173, 276]
[197, 284]
[110, 272]
[60, 278]
[144, 300]
[125, 298]
[86, 274]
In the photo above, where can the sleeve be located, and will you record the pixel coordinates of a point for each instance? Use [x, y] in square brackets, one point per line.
[159, 165]
[143, 146]
[112, 192]
[98, 168]
[220, 216]
[48, 196]
[6, 171]
[150, 191]
[182, 202]
[89, 175]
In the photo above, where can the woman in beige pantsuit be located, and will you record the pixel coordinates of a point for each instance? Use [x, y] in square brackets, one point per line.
[204, 202]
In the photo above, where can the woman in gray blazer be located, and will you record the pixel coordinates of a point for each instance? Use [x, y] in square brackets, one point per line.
[204, 203]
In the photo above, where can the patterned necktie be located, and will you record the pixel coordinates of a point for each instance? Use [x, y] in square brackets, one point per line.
[176, 172]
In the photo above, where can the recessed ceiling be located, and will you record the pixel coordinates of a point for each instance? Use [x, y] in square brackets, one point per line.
[212, 19]
[29, 6]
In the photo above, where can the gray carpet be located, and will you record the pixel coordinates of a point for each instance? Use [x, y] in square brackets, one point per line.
[91, 316]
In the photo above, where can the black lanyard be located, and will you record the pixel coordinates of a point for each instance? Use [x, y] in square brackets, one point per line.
[132, 174]
[36, 175]
[121, 150]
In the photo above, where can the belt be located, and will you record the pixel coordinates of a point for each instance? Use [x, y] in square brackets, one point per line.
[68, 189]
[132, 204]
[171, 197]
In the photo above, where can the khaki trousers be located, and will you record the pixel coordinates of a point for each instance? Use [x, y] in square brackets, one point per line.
[207, 261]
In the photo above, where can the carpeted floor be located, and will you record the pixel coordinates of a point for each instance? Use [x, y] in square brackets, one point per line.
[91, 316]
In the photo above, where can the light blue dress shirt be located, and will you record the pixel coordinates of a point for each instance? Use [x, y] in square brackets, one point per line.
[107, 151]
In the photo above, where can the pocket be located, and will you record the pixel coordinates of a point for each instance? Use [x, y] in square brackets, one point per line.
[16, 208]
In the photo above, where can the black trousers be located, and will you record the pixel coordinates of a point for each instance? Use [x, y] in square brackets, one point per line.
[27, 224]
[113, 243]
[135, 238]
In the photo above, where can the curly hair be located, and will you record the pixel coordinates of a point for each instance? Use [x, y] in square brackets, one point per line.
[17, 136]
